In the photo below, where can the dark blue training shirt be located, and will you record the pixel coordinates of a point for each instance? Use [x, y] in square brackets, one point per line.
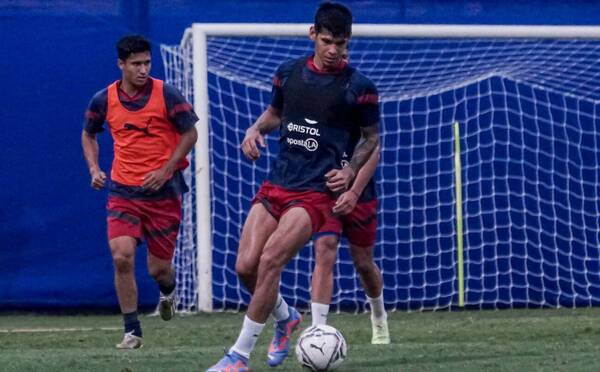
[319, 111]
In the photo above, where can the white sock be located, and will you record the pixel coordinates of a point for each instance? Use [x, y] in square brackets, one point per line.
[319, 313]
[281, 310]
[247, 338]
[378, 313]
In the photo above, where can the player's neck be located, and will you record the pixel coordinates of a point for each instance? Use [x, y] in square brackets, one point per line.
[130, 89]
[317, 65]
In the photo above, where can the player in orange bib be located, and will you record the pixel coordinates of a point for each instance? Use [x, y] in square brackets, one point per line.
[152, 127]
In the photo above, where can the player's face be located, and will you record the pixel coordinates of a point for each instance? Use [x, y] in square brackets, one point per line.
[136, 68]
[329, 50]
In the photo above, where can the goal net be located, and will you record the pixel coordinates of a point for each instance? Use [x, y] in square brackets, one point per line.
[526, 104]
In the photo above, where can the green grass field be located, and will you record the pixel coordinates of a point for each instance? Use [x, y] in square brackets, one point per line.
[506, 340]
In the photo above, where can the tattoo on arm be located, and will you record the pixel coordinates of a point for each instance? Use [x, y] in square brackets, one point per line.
[268, 121]
[368, 142]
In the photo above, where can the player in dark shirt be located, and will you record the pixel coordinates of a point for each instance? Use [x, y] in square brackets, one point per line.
[317, 102]
[356, 218]
[153, 130]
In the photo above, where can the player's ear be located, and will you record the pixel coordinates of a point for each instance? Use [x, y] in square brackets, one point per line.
[312, 33]
[120, 64]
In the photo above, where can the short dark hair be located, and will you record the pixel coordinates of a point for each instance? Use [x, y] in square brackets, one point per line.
[130, 44]
[335, 18]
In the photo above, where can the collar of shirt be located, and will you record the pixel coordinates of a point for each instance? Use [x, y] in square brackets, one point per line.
[145, 91]
[310, 63]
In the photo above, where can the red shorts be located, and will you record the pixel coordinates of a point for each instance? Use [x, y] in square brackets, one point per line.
[278, 200]
[155, 220]
[359, 226]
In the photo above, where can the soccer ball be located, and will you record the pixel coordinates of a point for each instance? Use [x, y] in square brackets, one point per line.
[321, 348]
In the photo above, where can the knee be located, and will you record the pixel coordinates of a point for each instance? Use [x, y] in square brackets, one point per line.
[363, 266]
[159, 273]
[270, 263]
[326, 252]
[245, 268]
[123, 264]
[362, 258]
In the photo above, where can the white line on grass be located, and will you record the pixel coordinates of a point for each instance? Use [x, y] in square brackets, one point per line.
[73, 329]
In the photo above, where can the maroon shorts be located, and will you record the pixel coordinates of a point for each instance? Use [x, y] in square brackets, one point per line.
[359, 226]
[278, 200]
[157, 221]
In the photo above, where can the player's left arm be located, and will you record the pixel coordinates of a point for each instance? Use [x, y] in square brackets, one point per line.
[347, 201]
[157, 178]
[339, 180]
[367, 111]
[182, 116]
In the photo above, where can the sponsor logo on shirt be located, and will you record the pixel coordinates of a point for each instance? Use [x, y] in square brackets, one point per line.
[345, 161]
[136, 127]
[303, 129]
[310, 144]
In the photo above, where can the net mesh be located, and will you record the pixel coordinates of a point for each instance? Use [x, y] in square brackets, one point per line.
[527, 110]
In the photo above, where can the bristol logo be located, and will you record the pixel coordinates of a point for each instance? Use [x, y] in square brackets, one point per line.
[303, 129]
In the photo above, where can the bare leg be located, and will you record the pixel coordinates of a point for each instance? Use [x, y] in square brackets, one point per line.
[292, 233]
[163, 273]
[257, 229]
[122, 249]
[161, 270]
[123, 254]
[371, 280]
[322, 278]
[369, 273]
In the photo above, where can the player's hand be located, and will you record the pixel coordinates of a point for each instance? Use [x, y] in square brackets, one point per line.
[98, 178]
[250, 143]
[345, 203]
[338, 180]
[156, 179]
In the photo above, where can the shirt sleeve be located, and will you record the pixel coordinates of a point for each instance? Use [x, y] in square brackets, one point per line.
[281, 75]
[367, 101]
[179, 111]
[95, 115]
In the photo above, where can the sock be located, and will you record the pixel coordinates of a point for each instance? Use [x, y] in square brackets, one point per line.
[167, 288]
[132, 324]
[319, 313]
[247, 338]
[281, 310]
[377, 308]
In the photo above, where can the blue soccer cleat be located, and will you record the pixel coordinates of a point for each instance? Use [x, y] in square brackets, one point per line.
[231, 362]
[280, 345]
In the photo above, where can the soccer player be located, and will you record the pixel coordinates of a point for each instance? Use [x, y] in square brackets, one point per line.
[152, 127]
[356, 217]
[317, 102]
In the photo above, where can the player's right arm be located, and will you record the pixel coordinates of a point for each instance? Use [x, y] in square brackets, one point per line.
[268, 121]
[90, 152]
[93, 124]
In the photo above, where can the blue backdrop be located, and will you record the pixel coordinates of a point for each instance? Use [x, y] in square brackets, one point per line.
[53, 57]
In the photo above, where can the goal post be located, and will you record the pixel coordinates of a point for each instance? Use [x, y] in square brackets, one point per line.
[502, 85]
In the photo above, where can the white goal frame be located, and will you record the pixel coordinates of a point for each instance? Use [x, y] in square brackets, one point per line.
[199, 33]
